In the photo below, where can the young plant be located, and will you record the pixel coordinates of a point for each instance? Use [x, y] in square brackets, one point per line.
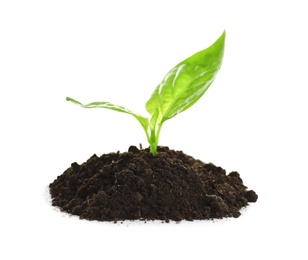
[182, 87]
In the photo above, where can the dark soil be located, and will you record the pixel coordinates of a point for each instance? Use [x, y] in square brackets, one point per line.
[137, 185]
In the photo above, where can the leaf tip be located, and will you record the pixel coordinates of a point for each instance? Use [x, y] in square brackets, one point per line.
[73, 101]
[223, 35]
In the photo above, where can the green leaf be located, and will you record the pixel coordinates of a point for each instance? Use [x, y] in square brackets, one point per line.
[153, 120]
[142, 120]
[185, 84]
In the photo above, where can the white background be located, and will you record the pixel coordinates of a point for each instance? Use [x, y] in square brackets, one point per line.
[253, 119]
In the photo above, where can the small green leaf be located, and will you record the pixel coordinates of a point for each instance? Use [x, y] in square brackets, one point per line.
[185, 84]
[106, 105]
[142, 120]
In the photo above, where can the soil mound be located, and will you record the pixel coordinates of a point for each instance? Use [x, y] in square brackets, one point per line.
[137, 185]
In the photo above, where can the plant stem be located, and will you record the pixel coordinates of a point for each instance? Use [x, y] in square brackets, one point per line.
[154, 139]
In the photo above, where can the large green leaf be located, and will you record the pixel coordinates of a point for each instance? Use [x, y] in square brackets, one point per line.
[185, 84]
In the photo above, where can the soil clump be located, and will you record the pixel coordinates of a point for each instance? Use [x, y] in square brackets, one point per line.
[137, 185]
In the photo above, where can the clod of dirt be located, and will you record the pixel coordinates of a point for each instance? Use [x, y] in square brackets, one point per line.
[137, 185]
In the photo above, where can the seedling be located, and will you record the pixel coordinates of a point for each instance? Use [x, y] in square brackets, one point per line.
[182, 87]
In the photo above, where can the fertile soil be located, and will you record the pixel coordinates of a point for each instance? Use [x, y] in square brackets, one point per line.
[137, 185]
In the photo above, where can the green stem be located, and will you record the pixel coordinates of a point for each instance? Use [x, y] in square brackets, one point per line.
[154, 139]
